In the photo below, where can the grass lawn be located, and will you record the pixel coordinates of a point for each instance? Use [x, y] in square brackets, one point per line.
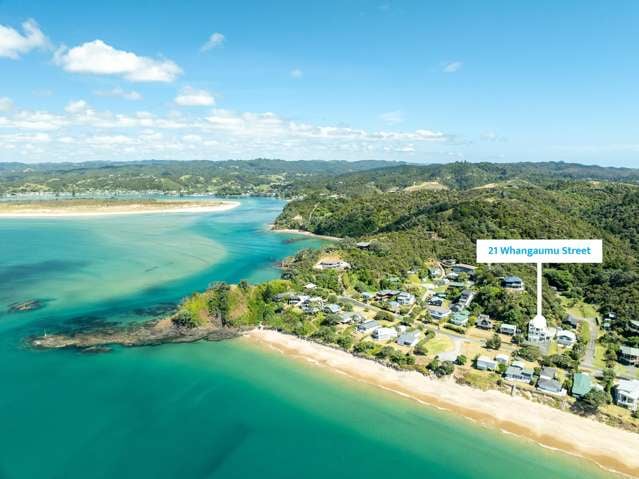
[439, 344]
[480, 379]
[599, 361]
[579, 309]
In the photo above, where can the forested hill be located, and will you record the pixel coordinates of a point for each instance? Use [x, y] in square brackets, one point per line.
[288, 178]
[232, 177]
[409, 228]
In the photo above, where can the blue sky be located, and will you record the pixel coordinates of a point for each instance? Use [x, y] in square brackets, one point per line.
[402, 80]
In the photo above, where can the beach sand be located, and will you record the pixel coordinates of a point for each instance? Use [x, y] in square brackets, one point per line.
[33, 210]
[302, 232]
[611, 448]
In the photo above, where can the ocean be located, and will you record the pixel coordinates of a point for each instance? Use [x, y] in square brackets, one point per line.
[204, 410]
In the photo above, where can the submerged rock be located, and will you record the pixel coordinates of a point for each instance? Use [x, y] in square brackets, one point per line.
[30, 305]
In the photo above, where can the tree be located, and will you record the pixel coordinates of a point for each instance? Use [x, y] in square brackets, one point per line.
[383, 316]
[494, 342]
[461, 360]
[593, 400]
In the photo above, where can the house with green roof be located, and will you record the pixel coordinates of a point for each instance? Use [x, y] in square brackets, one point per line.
[581, 384]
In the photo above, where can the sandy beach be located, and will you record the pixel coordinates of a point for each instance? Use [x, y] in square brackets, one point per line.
[611, 448]
[49, 210]
[302, 232]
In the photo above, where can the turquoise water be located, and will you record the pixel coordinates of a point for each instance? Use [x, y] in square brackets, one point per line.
[205, 410]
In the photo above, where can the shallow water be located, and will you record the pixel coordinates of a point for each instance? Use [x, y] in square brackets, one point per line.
[202, 410]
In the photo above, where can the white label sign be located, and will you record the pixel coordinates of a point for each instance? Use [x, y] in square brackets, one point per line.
[539, 251]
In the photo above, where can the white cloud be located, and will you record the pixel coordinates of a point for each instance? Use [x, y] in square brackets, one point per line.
[189, 96]
[99, 58]
[215, 40]
[297, 73]
[452, 67]
[13, 44]
[120, 93]
[5, 103]
[392, 117]
[76, 106]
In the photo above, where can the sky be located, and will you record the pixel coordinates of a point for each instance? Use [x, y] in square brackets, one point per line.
[408, 80]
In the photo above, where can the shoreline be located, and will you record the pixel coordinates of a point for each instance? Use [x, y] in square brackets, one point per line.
[118, 210]
[610, 448]
[272, 228]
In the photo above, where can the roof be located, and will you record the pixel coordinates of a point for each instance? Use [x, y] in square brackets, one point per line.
[513, 279]
[581, 384]
[549, 384]
[539, 322]
[549, 372]
[409, 336]
[629, 351]
[630, 388]
[485, 359]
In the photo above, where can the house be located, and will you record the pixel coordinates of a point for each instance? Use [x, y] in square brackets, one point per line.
[513, 282]
[460, 318]
[570, 319]
[581, 384]
[363, 244]
[436, 301]
[551, 386]
[366, 296]
[383, 334]
[368, 326]
[434, 272]
[502, 358]
[333, 264]
[608, 320]
[464, 268]
[519, 372]
[310, 286]
[332, 308]
[409, 338]
[387, 293]
[298, 299]
[312, 305]
[351, 317]
[484, 322]
[627, 394]
[438, 313]
[484, 363]
[629, 355]
[633, 326]
[393, 306]
[448, 356]
[283, 296]
[566, 338]
[548, 373]
[538, 330]
[466, 298]
[509, 329]
[405, 299]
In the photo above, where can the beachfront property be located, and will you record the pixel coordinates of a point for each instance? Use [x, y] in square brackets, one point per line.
[519, 372]
[538, 331]
[484, 322]
[312, 305]
[551, 386]
[438, 313]
[332, 308]
[548, 373]
[627, 394]
[514, 283]
[509, 329]
[581, 384]
[460, 318]
[409, 338]
[386, 294]
[502, 358]
[566, 338]
[337, 265]
[629, 355]
[383, 334]
[368, 326]
[363, 244]
[484, 363]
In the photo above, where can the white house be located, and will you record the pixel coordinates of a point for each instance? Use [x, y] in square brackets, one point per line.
[502, 358]
[627, 394]
[332, 308]
[405, 299]
[438, 313]
[566, 337]
[509, 329]
[409, 338]
[383, 334]
[336, 264]
[310, 286]
[485, 363]
[519, 372]
[368, 326]
[538, 330]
